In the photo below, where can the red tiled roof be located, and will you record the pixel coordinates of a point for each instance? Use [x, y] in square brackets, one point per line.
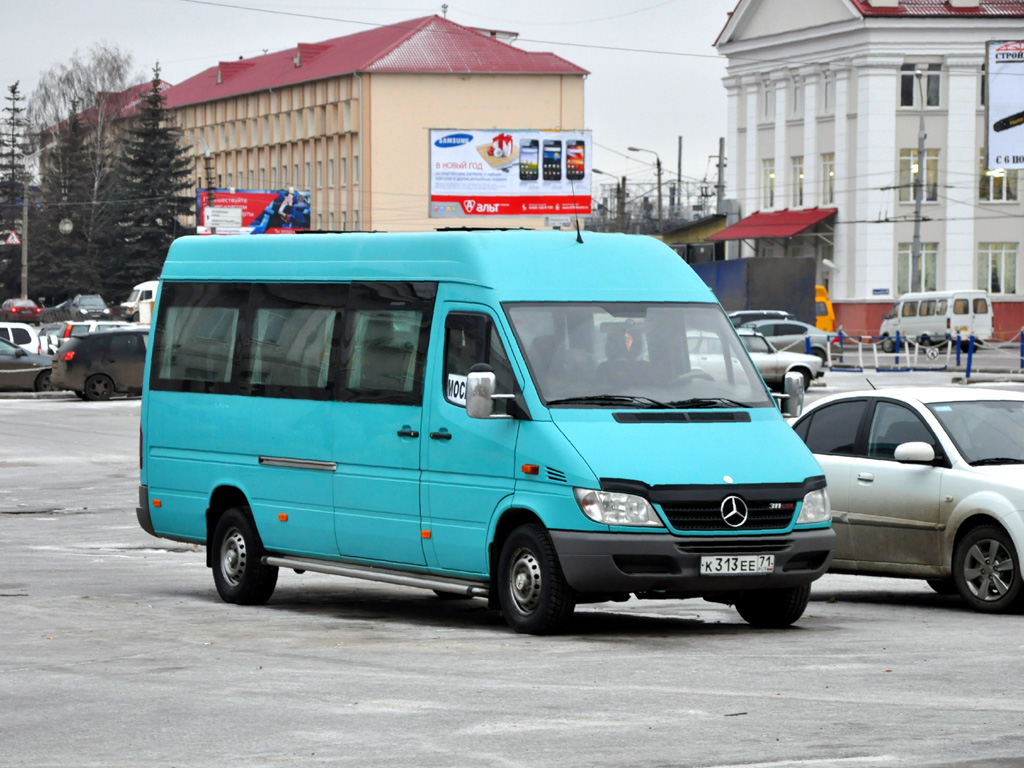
[940, 8]
[785, 223]
[428, 45]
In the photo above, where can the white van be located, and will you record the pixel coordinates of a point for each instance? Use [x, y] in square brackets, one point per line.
[929, 316]
[143, 292]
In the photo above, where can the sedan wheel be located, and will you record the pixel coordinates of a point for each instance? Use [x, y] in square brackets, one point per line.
[986, 571]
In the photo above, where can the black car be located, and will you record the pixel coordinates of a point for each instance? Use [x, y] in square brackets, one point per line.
[21, 370]
[89, 307]
[96, 366]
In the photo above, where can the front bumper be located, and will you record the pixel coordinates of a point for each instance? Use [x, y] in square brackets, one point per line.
[657, 563]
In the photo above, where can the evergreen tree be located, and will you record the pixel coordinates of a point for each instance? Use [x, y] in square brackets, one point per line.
[154, 177]
[13, 184]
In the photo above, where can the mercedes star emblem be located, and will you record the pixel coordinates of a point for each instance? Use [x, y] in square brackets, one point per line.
[734, 511]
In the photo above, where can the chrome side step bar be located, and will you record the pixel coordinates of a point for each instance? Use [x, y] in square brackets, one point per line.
[388, 576]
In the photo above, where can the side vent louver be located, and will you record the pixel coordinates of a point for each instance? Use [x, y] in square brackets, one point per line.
[556, 474]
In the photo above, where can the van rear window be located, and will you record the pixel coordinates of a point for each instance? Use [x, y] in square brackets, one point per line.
[960, 307]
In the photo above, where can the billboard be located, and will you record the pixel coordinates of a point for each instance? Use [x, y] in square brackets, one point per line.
[252, 211]
[509, 173]
[1004, 104]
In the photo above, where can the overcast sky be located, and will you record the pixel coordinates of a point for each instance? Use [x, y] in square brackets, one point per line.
[654, 73]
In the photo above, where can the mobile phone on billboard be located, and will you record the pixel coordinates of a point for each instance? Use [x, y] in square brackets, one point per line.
[552, 160]
[574, 160]
[529, 149]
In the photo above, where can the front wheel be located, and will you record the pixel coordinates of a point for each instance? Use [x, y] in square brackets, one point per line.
[986, 571]
[238, 570]
[534, 596]
[773, 608]
[888, 345]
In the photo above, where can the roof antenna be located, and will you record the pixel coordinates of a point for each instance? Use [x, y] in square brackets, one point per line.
[444, 10]
[579, 237]
[869, 383]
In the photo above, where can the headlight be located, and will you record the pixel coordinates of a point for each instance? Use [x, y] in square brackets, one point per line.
[83, 311]
[816, 508]
[616, 508]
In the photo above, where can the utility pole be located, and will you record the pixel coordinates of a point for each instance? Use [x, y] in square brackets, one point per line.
[24, 239]
[620, 193]
[720, 186]
[915, 253]
[658, 166]
[679, 181]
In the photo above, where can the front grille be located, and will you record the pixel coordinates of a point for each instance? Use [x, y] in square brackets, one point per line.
[734, 546]
[707, 515]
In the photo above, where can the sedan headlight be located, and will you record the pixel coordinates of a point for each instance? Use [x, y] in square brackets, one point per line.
[612, 508]
[816, 508]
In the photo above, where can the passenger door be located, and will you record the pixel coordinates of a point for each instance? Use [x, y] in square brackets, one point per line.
[894, 507]
[377, 435]
[468, 463]
[125, 360]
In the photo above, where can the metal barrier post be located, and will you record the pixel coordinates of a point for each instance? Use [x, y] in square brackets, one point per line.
[1022, 349]
[896, 360]
[970, 356]
[860, 353]
[807, 345]
[1021, 346]
[958, 349]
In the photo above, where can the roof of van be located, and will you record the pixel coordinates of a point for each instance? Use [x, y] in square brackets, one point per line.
[520, 265]
[941, 294]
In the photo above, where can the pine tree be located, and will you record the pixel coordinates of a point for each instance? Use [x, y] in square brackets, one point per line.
[13, 184]
[154, 175]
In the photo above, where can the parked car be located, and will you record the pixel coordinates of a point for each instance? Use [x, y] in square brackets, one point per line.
[22, 334]
[21, 311]
[21, 370]
[75, 328]
[791, 336]
[773, 365]
[748, 315]
[141, 293]
[89, 306]
[49, 337]
[929, 316]
[928, 484]
[96, 366]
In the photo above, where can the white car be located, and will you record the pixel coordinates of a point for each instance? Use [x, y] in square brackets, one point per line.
[23, 335]
[774, 365]
[926, 483]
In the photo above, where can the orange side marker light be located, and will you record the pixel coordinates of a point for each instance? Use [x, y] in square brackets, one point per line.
[157, 503]
[530, 469]
[283, 517]
[424, 534]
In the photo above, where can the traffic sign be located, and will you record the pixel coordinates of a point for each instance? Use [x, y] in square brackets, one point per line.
[12, 239]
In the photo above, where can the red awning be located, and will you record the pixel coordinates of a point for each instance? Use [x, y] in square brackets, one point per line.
[776, 224]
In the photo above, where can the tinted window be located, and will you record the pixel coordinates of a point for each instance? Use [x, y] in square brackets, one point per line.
[893, 425]
[833, 429]
[20, 336]
[768, 329]
[127, 345]
[471, 338]
[789, 329]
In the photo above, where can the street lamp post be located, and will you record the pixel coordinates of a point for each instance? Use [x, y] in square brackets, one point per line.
[620, 198]
[915, 252]
[658, 166]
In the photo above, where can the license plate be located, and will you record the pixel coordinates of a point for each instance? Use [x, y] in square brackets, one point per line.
[728, 565]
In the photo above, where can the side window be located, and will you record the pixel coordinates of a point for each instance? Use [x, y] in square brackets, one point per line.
[195, 337]
[909, 309]
[471, 338]
[290, 340]
[833, 429]
[960, 306]
[7, 349]
[928, 308]
[940, 306]
[790, 329]
[768, 329]
[384, 349]
[124, 345]
[980, 306]
[20, 336]
[893, 425]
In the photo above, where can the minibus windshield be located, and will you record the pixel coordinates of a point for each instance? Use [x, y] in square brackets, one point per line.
[617, 355]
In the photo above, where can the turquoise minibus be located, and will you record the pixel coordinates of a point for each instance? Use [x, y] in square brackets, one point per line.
[516, 416]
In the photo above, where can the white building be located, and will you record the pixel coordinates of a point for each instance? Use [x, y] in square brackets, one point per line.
[825, 102]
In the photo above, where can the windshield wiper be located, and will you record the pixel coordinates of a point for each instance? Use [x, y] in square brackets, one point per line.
[996, 460]
[708, 402]
[635, 400]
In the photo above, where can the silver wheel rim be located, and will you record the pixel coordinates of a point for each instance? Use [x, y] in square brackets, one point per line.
[233, 557]
[988, 570]
[524, 581]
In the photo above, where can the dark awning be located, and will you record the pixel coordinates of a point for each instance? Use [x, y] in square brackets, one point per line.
[775, 224]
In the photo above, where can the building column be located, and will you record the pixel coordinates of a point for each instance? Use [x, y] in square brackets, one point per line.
[812, 159]
[876, 158]
[735, 158]
[751, 200]
[782, 82]
[844, 251]
[960, 173]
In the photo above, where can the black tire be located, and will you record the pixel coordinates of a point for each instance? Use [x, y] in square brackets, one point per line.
[986, 570]
[942, 586]
[238, 572]
[773, 608]
[82, 395]
[534, 596]
[135, 317]
[99, 386]
[43, 383]
[888, 345]
[821, 354]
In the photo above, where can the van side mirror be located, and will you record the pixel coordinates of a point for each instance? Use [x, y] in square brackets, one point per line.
[914, 453]
[793, 395]
[480, 397]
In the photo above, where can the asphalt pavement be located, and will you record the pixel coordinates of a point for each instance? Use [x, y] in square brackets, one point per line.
[118, 652]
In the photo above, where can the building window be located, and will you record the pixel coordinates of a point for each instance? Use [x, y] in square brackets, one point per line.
[768, 185]
[798, 181]
[307, 180]
[997, 267]
[330, 218]
[931, 84]
[927, 272]
[295, 175]
[344, 171]
[319, 174]
[827, 93]
[767, 101]
[998, 185]
[330, 172]
[344, 221]
[797, 89]
[828, 178]
[355, 169]
[909, 169]
[355, 220]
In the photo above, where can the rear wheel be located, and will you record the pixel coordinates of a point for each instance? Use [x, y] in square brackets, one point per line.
[532, 591]
[99, 386]
[986, 570]
[773, 608]
[43, 383]
[238, 570]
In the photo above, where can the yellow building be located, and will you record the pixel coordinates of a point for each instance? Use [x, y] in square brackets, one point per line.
[348, 119]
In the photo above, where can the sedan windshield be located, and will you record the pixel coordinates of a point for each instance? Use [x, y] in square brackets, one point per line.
[631, 355]
[985, 431]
